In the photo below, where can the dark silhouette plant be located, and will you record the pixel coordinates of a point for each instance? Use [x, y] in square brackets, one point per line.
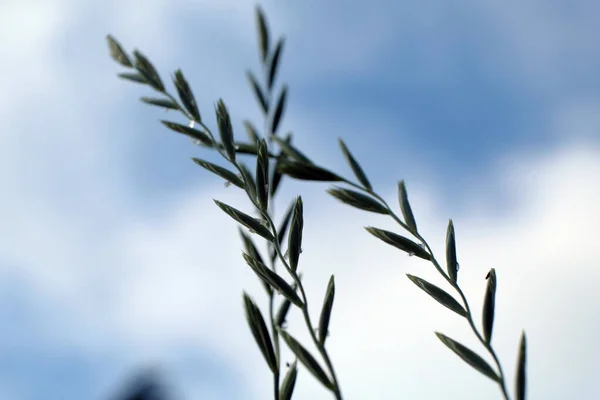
[261, 186]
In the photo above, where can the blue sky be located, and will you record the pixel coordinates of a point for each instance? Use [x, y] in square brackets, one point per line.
[114, 257]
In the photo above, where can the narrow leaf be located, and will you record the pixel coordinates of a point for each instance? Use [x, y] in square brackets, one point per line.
[356, 168]
[274, 63]
[137, 78]
[260, 332]
[439, 295]
[251, 132]
[145, 67]
[275, 177]
[469, 356]
[399, 242]
[307, 172]
[191, 132]
[262, 176]
[166, 103]
[279, 109]
[405, 207]
[276, 282]
[254, 253]
[250, 246]
[291, 151]
[222, 172]
[283, 229]
[245, 148]
[287, 387]
[326, 311]
[246, 220]
[263, 33]
[307, 359]
[451, 263]
[281, 315]
[489, 304]
[284, 308]
[358, 200]
[225, 130]
[249, 183]
[295, 236]
[258, 92]
[185, 94]
[117, 53]
[521, 378]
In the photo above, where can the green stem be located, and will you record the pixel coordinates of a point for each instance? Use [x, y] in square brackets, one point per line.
[469, 316]
[277, 354]
[320, 347]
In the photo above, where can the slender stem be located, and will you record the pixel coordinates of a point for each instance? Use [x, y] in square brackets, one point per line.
[469, 314]
[277, 355]
[321, 347]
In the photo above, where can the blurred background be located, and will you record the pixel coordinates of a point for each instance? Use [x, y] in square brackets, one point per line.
[117, 269]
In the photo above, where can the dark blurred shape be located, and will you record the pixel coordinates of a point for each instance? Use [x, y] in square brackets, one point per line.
[145, 385]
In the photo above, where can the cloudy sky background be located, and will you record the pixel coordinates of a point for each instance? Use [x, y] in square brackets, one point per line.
[114, 257]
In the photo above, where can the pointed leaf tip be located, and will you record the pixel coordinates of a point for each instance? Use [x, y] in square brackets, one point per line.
[326, 311]
[358, 200]
[409, 218]
[307, 359]
[399, 242]
[489, 305]
[451, 262]
[260, 332]
[439, 295]
[521, 378]
[468, 356]
[356, 168]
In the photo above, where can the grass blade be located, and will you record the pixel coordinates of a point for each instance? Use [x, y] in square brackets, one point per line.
[307, 172]
[307, 359]
[263, 33]
[145, 68]
[283, 229]
[279, 109]
[137, 78]
[220, 171]
[358, 200]
[356, 168]
[289, 150]
[274, 63]
[260, 332]
[469, 356]
[399, 242]
[451, 263]
[295, 236]
[405, 207]
[287, 387]
[258, 92]
[276, 282]
[191, 132]
[225, 130]
[165, 103]
[262, 176]
[489, 304]
[521, 379]
[185, 94]
[251, 223]
[326, 311]
[439, 295]
[117, 53]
